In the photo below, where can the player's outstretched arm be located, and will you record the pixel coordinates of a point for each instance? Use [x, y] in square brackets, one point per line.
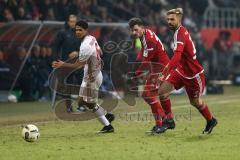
[173, 62]
[77, 64]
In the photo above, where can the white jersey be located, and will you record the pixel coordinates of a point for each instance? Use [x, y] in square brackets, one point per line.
[90, 52]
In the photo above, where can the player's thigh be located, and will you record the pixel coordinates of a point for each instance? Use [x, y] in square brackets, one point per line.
[150, 89]
[150, 84]
[99, 80]
[195, 87]
[165, 88]
[89, 90]
[195, 101]
[164, 96]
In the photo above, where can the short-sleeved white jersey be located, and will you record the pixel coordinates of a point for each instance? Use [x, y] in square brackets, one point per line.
[90, 53]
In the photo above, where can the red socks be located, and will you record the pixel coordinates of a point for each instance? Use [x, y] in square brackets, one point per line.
[166, 105]
[157, 110]
[203, 109]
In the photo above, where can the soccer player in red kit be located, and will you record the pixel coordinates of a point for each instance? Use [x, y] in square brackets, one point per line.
[153, 58]
[184, 69]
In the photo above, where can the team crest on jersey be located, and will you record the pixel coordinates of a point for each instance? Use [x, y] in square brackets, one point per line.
[145, 53]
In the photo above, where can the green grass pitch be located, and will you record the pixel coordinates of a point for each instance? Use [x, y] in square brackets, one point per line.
[63, 140]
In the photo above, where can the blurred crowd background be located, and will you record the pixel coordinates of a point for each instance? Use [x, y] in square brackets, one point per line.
[105, 10]
[221, 60]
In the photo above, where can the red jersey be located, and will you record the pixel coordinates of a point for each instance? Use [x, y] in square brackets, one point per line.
[153, 52]
[184, 58]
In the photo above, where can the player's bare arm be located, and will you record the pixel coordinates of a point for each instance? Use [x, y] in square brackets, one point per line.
[73, 54]
[59, 63]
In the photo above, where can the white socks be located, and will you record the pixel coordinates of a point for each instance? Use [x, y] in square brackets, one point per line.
[100, 113]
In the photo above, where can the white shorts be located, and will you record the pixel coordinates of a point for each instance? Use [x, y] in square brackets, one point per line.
[89, 90]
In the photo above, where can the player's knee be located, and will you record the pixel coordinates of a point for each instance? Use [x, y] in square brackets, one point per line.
[85, 104]
[149, 100]
[91, 106]
[165, 88]
[164, 96]
[195, 102]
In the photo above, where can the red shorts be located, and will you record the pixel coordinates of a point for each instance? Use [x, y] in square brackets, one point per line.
[194, 87]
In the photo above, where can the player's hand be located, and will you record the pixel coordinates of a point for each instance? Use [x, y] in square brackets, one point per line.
[161, 77]
[57, 64]
[73, 54]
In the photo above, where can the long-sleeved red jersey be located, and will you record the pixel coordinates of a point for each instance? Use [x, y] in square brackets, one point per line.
[184, 58]
[152, 53]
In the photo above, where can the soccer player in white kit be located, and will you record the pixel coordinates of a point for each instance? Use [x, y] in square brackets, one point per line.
[89, 58]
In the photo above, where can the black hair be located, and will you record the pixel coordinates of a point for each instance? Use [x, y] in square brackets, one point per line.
[83, 24]
[135, 21]
[71, 16]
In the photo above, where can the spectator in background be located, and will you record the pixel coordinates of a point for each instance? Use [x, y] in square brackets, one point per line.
[3, 5]
[66, 46]
[62, 8]
[21, 15]
[104, 10]
[7, 15]
[6, 77]
[73, 7]
[50, 15]
[15, 61]
[34, 10]
[39, 71]
[12, 5]
[35, 61]
[49, 58]
[44, 71]
[222, 50]
[106, 57]
[44, 7]
[223, 43]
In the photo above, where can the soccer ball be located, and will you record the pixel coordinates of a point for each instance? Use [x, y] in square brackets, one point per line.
[30, 133]
[12, 98]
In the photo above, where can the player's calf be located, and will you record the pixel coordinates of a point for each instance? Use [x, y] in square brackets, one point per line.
[105, 119]
[204, 110]
[109, 128]
[166, 105]
[110, 117]
[100, 113]
[201, 107]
